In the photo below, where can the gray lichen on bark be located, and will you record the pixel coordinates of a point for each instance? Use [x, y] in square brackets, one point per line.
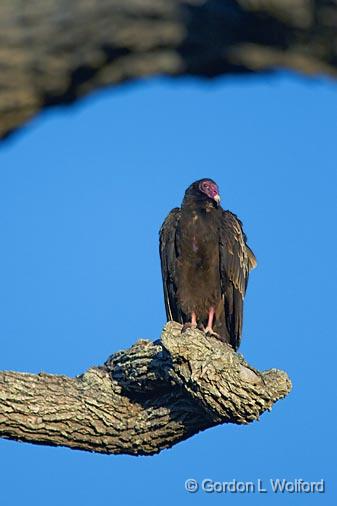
[54, 52]
[142, 400]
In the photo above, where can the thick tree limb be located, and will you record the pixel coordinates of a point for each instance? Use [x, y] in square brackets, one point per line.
[55, 51]
[142, 400]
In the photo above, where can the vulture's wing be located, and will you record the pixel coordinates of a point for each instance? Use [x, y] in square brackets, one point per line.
[168, 255]
[236, 260]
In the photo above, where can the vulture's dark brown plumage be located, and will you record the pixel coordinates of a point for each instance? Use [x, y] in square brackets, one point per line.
[205, 264]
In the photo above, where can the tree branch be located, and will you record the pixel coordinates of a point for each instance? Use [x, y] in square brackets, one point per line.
[142, 400]
[57, 51]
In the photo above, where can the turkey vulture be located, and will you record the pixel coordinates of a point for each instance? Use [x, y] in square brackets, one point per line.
[205, 263]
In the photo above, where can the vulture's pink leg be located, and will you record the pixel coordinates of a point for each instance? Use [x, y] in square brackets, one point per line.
[211, 314]
[192, 325]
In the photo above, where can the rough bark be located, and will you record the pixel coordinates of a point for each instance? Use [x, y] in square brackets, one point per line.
[142, 400]
[55, 51]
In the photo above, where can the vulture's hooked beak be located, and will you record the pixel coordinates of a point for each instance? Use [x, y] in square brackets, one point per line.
[217, 199]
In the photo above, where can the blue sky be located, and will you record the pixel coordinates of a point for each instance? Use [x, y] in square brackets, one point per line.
[83, 192]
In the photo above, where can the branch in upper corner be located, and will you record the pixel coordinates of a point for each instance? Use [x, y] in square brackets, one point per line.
[142, 400]
[54, 55]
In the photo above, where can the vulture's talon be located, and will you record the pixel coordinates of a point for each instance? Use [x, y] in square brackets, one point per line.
[188, 326]
[210, 332]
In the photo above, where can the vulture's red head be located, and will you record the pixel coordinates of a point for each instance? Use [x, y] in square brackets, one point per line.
[204, 189]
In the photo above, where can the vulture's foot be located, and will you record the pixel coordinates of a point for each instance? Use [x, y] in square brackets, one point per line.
[188, 326]
[210, 332]
[217, 336]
